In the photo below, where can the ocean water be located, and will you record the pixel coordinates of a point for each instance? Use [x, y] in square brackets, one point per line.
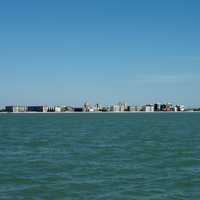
[119, 156]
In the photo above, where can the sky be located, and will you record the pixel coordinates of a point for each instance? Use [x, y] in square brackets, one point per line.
[66, 52]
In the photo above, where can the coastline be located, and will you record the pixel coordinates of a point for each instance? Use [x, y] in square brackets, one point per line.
[129, 112]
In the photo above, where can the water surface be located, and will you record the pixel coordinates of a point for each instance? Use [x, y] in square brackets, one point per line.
[119, 156]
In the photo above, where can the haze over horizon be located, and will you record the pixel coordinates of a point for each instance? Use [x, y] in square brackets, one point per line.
[68, 52]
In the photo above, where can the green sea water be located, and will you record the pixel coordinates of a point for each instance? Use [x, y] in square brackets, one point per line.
[100, 156]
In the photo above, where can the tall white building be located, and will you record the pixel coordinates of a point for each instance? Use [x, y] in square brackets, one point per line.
[115, 108]
[149, 108]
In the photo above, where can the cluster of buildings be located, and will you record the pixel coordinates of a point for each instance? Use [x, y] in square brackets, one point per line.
[124, 107]
[120, 107]
[19, 108]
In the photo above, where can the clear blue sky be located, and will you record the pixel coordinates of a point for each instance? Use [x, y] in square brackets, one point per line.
[69, 51]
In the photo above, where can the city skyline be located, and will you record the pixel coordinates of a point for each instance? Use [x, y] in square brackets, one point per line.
[87, 107]
[101, 51]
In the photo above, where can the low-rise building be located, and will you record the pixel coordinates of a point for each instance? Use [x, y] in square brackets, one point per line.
[16, 109]
[131, 109]
[115, 108]
[105, 109]
[67, 109]
[157, 107]
[120, 107]
[58, 109]
[51, 109]
[149, 108]
[180, 108]
[169, 107]
[97, 108]
[37, 109]
[87, 107]
[78, 109]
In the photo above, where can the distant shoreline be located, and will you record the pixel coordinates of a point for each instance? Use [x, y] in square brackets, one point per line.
[130, 112]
